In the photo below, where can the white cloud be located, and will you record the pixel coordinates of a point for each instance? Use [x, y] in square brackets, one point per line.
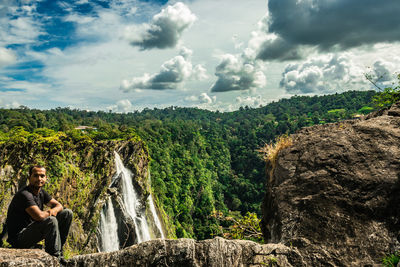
[124, 106]
[322, 74]
[269, 46]
[22, 29]
[235, 73]
[172, 75]
[383, 73]
[80, 19]
[7, 57]
[165, 30]
[81, 2]
[13, 104]
[203, 98]
[382, 70]
[250, 101]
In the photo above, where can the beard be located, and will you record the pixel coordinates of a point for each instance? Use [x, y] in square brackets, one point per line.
[38, 185]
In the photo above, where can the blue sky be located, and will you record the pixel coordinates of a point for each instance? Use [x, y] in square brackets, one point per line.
[126, 55]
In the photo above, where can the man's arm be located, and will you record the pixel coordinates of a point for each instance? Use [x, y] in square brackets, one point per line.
[55, 207]
[38, 215]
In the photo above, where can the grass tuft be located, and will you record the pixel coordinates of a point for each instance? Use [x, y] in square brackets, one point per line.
[270, 151]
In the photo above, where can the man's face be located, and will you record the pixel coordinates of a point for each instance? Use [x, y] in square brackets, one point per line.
[38, 177]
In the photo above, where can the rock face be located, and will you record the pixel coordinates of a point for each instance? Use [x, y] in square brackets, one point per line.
[335, 193]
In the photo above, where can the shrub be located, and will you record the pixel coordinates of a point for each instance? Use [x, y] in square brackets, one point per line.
[391, 260]
[240, 227]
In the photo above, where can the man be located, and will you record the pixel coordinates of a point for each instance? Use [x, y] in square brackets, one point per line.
[28, 224]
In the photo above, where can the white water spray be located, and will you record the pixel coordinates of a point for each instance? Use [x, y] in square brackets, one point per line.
[109, 228]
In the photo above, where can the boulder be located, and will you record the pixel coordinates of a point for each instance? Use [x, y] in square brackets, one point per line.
[335, 193]
[26, 257]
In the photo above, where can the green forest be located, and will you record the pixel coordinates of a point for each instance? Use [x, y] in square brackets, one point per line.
[202, 162]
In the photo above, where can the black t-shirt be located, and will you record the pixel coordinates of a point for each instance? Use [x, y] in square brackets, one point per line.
[17, 217]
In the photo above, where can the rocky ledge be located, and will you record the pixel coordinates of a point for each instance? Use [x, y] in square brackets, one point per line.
[335, 193]
[26, 257]
[216, 252]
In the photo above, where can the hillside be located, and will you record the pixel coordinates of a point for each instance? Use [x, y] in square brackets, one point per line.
[332, 199]
[201, 161]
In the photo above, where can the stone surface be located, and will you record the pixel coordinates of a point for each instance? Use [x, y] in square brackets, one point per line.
[216, 252]
[335, 193]
[26, 257]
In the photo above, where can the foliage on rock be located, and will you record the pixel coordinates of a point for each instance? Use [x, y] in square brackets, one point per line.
[79, 170]
[236, 226]
[391, 260]
[386, 96]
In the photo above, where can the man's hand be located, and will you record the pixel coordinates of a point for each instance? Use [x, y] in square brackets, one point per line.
[53, 212]
[55, 207]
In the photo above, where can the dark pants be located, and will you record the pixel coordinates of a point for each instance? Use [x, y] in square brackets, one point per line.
[54, 230]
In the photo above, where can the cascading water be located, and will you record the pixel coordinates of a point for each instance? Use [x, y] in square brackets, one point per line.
[108, 228]
[131, 203]
[157, 221]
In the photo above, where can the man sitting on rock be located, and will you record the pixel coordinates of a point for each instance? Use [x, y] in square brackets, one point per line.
[28, 224]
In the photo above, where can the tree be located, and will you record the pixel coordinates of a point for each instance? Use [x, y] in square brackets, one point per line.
[387, 96]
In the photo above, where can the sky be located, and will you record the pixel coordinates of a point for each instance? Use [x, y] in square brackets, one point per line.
[127, 55]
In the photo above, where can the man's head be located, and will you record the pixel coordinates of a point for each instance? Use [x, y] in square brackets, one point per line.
[37, 176]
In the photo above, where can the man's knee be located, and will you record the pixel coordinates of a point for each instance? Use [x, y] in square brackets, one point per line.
[66, 214]
[51, 221]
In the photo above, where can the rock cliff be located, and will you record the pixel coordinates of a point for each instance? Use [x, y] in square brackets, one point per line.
[216, 252]
[335, 193]
[79, 173]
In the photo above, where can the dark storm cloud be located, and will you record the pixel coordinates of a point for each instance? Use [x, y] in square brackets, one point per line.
[278, 49]
[329, 24]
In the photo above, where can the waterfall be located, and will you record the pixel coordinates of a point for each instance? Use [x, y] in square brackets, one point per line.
[131, 202]
[157, 221]
[132, 206]
[153, 211]
[108, 228]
